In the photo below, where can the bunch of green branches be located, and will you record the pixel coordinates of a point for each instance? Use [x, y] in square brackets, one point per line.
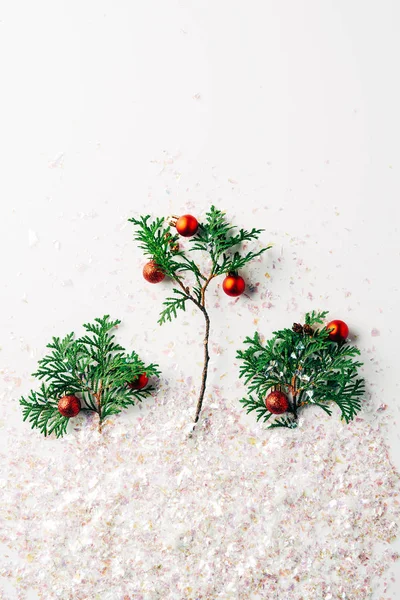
[215, 237]
[308, 367]
[95, 368]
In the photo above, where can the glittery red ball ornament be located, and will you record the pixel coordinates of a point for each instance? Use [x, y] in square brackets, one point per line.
[187, 225]
[338, 331]
[233, 285]
[277, 403]
[69, 406]
[139, 382]
[152, 272]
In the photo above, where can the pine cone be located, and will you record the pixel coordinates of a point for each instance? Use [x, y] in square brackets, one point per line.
[297, 328]
[308, 330]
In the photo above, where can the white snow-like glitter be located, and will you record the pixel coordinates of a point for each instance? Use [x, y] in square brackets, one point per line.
[144, 512]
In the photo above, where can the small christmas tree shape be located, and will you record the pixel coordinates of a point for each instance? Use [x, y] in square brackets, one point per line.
[299, 367]
[91, 373]
[215, 237]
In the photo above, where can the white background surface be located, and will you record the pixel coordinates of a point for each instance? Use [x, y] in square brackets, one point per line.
[284, 114]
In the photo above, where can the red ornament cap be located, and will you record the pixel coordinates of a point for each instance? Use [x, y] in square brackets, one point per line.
[139, 382]
[338, 331]
[187, 225]
[277, 403]
[233, 285]
[69, 406]
[152, 272]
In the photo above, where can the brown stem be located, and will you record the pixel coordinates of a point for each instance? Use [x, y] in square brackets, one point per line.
[294, 396]
[203, 289]
[205, 367]
[97, 395]
[206, 353]
[202, 306]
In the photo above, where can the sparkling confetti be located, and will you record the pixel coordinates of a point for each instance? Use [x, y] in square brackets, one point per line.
[234, 512]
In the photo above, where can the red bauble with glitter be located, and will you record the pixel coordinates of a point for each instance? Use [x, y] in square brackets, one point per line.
[277, 403]
[152, 272]
[139, 382]
[187, 225]
[69, 406]
[338, 331]
[233, 285]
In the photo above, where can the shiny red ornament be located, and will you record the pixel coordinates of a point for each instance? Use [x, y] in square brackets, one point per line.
[233, 285]
[339, 331]
[69, 406]
[139, 382]
[187, 225]
[152, 272]
[277, 403]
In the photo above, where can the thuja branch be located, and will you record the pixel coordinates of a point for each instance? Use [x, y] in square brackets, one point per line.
[304, 365]
[92, 373]
[220, 241]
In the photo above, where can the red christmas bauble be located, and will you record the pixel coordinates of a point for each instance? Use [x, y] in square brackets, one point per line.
[277, 403]
[338, 331]
[187, 225]
[233, 285]
[139, 382]
[69, 406]
[152, 272]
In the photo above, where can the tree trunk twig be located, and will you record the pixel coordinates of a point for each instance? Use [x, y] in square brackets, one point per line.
[205, 368]
[201, 306]
[294, 396]
[97, 395]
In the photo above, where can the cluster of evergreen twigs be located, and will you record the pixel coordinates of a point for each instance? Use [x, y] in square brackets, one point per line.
[308, 367]
[95, 368]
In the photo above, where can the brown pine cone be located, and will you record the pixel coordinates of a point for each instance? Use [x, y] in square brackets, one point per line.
[297, 328]
[308, 330]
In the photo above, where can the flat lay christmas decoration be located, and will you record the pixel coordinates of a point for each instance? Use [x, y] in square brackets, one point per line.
[168, 258]
[305, 365]
[92, 373]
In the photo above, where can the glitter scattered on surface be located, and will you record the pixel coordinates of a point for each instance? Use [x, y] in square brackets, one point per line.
[144, 512]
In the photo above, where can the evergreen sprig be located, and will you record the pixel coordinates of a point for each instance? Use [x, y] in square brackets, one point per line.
[308, 367]
[156, 241]
[216, 238]
[93, 367]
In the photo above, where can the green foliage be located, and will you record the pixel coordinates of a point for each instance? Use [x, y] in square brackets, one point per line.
[310, 369]
[172, 305]
[156, 240]
[93, 367]
[40, 408]
[215, 237]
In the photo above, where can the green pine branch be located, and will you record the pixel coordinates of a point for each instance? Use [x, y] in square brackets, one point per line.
[218, 240]
[307, 367]
[95, 368]
[40, 409]
[172, 305]
[216, 237]
[316, 318]
[156, 241]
